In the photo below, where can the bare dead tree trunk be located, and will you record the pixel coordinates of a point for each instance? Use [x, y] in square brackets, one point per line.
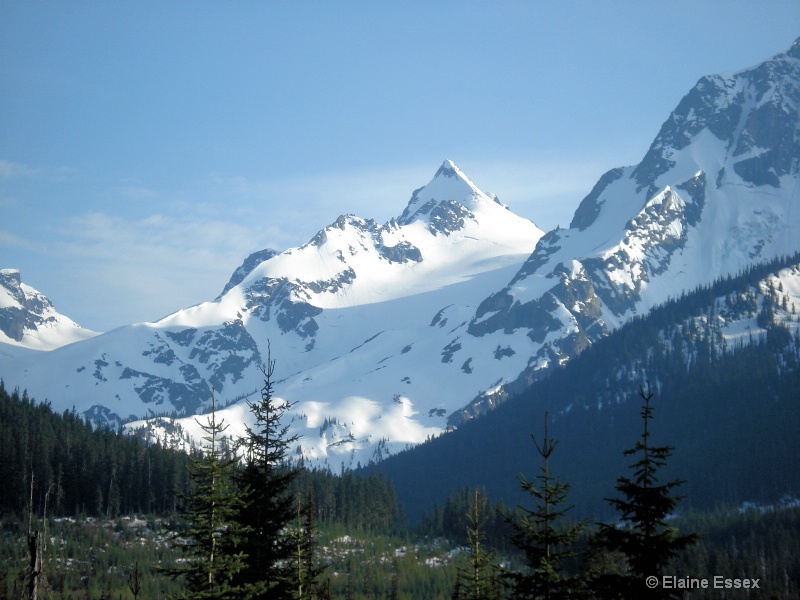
[35, 566]
[135, 580]
[34, 553]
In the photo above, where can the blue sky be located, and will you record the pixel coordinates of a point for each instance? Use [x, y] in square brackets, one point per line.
[147, 148]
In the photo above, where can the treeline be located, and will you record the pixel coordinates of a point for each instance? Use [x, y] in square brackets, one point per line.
[246, 519]
[452, 520]
[79, 470]
[73, 469]
[647, 551]
[87, 558]
[355, 503]
[758, 543]
[753, 544]
[703, 298]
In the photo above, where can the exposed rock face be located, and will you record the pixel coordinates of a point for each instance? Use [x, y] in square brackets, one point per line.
[715, 192]
[29, 319]
[348, 315]
[250, 263]
[24, 311]
[387, 334]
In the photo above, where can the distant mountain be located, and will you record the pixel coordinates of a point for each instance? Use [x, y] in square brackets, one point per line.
[360, 320]
[717, 191]
[386, 335]
[28, 318]
[723, 363]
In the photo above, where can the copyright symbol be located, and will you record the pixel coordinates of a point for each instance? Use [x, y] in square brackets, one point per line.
[651, 582]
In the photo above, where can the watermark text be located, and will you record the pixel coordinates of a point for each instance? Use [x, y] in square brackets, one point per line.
[718, 582]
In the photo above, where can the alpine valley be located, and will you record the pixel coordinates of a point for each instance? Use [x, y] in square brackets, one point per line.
[387, 335]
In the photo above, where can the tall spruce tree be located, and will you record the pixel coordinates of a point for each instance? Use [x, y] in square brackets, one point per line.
[645, 541]
[268, 511]
[545, 534]
[480, 580]
[211, 509]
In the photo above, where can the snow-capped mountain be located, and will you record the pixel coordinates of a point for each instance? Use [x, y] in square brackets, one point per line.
[387, 334]
[717, 191]
[28, 318]
[359, 320]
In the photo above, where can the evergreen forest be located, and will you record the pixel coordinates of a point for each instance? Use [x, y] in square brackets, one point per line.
[731, 409]
[662, 451]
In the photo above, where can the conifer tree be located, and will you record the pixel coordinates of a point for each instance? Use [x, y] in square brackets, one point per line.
[213, 532]
[480, 581]
[544, 534]
[267, 512]
[305, 532]
[645, 540]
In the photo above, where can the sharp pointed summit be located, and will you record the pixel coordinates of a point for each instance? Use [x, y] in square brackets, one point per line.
[445, 202]
[352, 314]
[450, 170]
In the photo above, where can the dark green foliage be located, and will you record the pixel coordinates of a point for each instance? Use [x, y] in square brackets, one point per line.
[480, 579]
[545, 534]
[359, 503]
[80, 470]
[84, 558]
[91, 558]
[267, 505]
[212, 538]
[453, 520]
[754, 543]
[305, 560]
[645, 540]
[734, 405]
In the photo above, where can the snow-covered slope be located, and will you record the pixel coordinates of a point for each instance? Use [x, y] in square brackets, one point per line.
[28, 318]
[387, 334]
[717, 191]
[360, 320]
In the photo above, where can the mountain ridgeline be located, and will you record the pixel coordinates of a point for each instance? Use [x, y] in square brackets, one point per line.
[367, 320]
[727, 403]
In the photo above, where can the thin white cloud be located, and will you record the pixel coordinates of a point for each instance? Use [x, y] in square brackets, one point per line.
[546, 191]
[10, 169]
[378, 194]
[10, 240]
[135, 192]
[142, 267]
[150, 267]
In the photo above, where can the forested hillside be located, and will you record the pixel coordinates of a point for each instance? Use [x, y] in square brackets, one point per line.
[79, 470]
[363, 545]
[728, 404]
[98, 503]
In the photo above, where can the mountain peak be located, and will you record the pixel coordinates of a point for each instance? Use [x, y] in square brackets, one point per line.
[747, 117]
[9, 278]
[29, 319]
[445, 201]
[449, 169]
